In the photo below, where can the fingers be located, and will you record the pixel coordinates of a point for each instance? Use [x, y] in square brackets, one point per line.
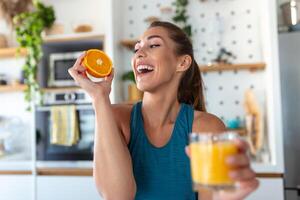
[76, 75]
[250, 184]
[77, 71]
[187, 151]
[242, 145]
[244, 174]
[245, 189]
[78, 64]
[80, 78]
[238, 160]
[110, 77]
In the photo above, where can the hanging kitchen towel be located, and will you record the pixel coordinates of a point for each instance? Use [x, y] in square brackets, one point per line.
[64, 125]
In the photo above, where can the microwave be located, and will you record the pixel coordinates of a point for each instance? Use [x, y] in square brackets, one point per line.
[59, 63]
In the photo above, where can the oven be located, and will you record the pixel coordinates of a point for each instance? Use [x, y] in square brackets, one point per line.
[83, 148]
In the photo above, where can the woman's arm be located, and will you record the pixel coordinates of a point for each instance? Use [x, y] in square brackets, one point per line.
[112, 163]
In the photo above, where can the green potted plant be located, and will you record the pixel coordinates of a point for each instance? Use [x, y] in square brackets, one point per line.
[29, 27]
[133, 93]
[181, 16]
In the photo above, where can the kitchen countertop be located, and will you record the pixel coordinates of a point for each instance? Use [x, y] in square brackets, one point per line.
[65, 164]
[16, 167]
[85, 168]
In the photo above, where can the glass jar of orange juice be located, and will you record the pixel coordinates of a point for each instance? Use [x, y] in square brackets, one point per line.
[98, 65]
[208, 153]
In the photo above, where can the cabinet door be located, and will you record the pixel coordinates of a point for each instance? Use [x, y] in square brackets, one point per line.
[66, 188]
[16, 187]
[269, 188]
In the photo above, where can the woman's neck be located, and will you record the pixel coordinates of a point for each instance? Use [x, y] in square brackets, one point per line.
[160, 108]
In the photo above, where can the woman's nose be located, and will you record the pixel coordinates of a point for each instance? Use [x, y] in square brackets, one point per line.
[140, 53]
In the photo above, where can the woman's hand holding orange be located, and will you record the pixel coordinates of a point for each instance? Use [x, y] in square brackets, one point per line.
[97, 90]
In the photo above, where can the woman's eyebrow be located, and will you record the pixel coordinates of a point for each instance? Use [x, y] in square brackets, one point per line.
[150, 37]
[154, 36]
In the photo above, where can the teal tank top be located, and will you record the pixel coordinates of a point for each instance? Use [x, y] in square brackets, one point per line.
[162, 173]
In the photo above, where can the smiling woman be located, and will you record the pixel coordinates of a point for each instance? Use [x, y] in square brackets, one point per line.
[139, 150]
[190, 88]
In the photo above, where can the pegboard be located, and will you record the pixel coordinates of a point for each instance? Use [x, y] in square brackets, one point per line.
[233, 24]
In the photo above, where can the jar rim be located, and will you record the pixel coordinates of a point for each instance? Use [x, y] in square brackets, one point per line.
[213, 136]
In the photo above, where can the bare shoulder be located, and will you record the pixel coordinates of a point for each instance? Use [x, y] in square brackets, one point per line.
[122, 114]
[206, 122]
[122, 109]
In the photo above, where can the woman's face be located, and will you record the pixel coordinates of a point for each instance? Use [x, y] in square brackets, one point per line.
[155, 62]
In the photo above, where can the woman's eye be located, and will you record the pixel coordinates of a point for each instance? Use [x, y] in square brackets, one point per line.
[135, 50]
[154, 45]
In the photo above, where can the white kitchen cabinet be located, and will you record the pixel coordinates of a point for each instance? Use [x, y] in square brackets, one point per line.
[270, 188]
[66, 188]
[16, 187]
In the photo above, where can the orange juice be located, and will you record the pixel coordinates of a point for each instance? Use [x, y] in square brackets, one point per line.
[208, 163]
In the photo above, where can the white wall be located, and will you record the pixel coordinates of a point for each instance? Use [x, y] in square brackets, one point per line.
[76, 11]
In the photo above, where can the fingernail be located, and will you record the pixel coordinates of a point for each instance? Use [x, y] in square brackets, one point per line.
[230, 160]
[233, 174]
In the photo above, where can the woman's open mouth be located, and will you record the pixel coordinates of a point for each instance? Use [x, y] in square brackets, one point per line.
[143, 69]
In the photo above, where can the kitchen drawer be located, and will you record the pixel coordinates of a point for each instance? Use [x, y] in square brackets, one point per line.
[66, 188]
[269, 188]
[16, 187]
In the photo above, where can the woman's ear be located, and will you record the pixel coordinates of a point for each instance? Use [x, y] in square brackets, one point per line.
[184, 63]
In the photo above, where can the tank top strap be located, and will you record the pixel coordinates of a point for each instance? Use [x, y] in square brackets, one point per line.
[135, 123]
[189, 116]
[185, 120]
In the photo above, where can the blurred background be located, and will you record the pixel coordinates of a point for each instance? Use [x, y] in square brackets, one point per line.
[247, 52]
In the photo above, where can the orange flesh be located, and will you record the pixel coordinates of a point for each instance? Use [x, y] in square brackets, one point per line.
[97, 63]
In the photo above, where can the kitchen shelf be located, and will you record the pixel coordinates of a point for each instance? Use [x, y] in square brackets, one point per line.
[11, 52]
[129, 43]
[65, 172]
[13, 88]
[227, 67]
[73, 37]
[15, 172]
[166, 9]
[240, 131]
[151, 19]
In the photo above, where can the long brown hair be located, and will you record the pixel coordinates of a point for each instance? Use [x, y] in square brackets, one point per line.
[190, 90]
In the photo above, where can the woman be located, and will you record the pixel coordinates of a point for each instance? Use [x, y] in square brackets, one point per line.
[139, 150]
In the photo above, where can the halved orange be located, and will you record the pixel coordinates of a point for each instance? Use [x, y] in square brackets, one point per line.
[97, 63]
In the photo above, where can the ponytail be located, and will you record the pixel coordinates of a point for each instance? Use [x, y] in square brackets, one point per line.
[190, 89]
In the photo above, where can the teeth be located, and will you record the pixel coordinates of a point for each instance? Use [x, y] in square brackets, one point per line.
[141, 67]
